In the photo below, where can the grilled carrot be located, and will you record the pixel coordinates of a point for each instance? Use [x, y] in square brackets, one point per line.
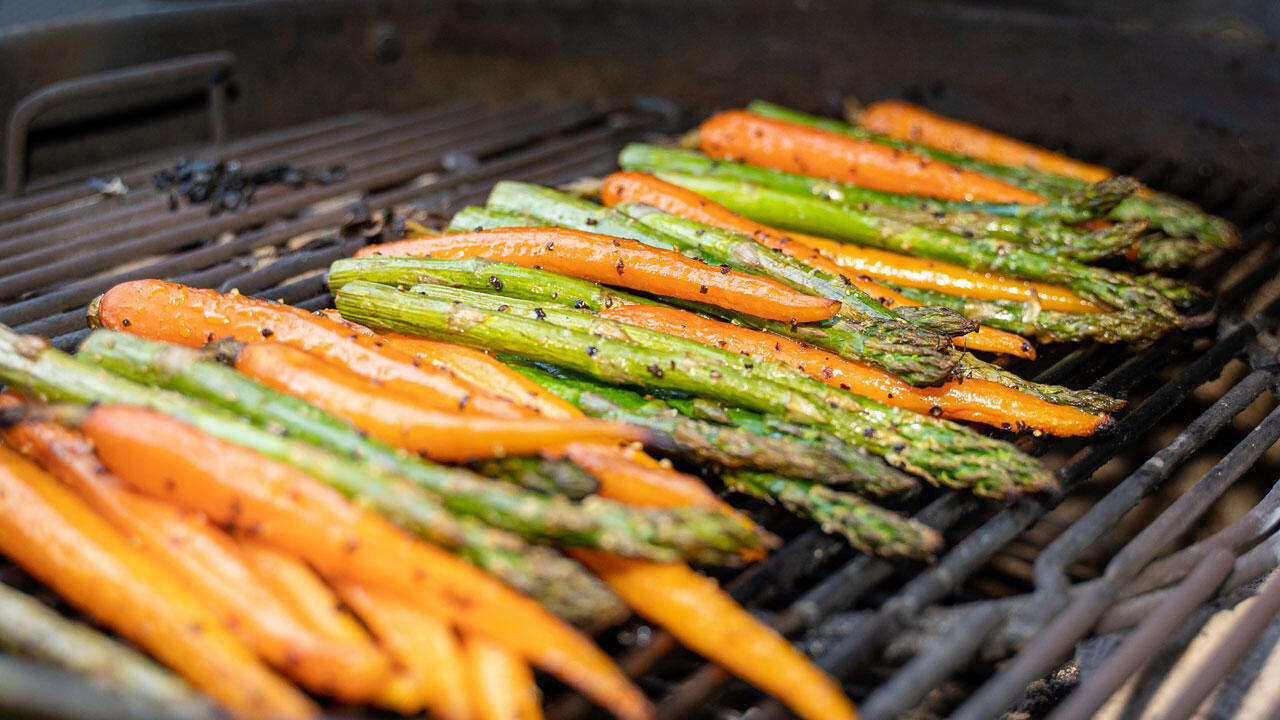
[447, 437]
[189, 316]
[622, 262]
[708, 621]
[694, 608]
[972, 399]
[747, 137]
[621, 187]
[905, 121]
[472, 366]
[206, 560]
[426, 648]
[501, 683]
[59, 540]
[948, 278]
[289, 510]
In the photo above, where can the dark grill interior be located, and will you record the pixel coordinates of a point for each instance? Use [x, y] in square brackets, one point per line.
[1174, 510]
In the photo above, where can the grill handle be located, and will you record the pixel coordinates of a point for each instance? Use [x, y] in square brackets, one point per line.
[215, 66]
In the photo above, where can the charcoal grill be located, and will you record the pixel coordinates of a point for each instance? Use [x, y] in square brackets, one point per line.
[1048, 605]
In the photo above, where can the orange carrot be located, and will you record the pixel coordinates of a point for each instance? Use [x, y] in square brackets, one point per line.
[472, 366]
[945, 277]
[972, 399]
[905, 121]
[209, 563]
[708, 621]
[342, 541]
[447, 437]
[622, 262]
[60, 541]
[694, 608]
[188, 316]
[501, 683]
[625, 186]
[427, 649]
[746, 137]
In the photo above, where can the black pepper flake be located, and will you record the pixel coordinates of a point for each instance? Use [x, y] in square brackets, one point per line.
[700, 233]
[654, 370]
[463, 402]
[703, 289]
[580, 304]
[716, 374]
[591, 350]
[935, 411]
[724, 269]
[268, 332]
[542, 315]
[495, 283]
[125, 322]
[591, 221]
[551, 247]
[504, 308]
[619, 267]
[748, 365]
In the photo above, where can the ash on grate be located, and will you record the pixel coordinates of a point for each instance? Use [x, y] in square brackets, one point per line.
[228, 185]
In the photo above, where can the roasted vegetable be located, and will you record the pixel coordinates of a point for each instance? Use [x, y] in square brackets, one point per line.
[792, 147]
[287, 509]
[59, 540]
[623, 262]
[31, 629]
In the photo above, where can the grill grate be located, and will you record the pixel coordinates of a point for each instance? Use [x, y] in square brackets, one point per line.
[895, 632]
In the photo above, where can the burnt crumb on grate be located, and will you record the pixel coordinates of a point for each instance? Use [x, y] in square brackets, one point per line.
[228, 185]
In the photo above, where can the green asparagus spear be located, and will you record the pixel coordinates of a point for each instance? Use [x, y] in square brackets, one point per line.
[869, 528]
[1174, 216]
[484, 275]
[545, 475]
[1157, 252]
[691, 170]
[29, 364]
[557, 208]
[723, 446]
[1059, 211]
[934, 449]
[31, 629]
[911, 353]
[820, 217]
[720, 246]
[839, 335]
[680, 533]
[1046, 325]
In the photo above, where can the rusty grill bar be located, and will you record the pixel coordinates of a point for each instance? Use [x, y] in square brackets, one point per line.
[887, 629]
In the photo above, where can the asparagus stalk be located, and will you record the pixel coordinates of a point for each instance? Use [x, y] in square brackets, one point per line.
[545, 475]
[31, 629]
[838, 335]
[1048, 239]
[1173, 215]
[557, 208]
[868, 528]
[911, 353]
[934, 449]
[482, 275]
[720, 246]
[694, 170]
[664, 535]
[824, 218]
[31, 365]
[1046, 325]
[1157, 252]
[1077, 208]
[706, 442]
